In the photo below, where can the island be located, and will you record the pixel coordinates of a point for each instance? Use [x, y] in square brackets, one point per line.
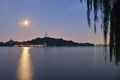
[44, 42]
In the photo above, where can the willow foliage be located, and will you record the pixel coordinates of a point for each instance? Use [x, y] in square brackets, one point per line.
[110, 15]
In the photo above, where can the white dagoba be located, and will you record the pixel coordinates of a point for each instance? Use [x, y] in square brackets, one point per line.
[46, 35]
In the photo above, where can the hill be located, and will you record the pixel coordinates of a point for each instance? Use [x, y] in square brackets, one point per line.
[45, 42]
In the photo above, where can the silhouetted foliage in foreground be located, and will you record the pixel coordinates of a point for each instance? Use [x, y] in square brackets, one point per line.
[110, 16]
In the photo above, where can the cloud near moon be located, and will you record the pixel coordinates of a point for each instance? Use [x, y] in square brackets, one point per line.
[24, 23]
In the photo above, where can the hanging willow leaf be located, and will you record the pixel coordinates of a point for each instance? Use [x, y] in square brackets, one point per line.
[110, 16]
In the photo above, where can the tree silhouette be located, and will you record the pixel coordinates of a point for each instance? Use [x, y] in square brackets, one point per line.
[110, 16]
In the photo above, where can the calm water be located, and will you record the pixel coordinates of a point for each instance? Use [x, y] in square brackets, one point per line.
[62, 63]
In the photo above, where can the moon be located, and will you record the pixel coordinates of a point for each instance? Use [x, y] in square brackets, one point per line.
[25, 23]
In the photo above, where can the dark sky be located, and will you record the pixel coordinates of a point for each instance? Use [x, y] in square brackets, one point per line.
[60, 18]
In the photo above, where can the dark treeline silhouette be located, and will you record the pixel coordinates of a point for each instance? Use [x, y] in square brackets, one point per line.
[110, 16]
[47, 42]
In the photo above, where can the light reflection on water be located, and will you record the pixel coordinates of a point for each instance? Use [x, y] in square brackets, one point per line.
[25, 65]
[58, 63]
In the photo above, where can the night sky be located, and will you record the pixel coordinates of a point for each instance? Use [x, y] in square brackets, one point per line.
[60, 18]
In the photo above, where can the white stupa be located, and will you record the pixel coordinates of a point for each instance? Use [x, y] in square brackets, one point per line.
[46, 35]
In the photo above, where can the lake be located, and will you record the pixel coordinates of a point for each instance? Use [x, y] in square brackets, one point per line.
[57, 63]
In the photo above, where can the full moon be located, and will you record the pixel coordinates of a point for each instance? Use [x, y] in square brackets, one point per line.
[25, 23]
